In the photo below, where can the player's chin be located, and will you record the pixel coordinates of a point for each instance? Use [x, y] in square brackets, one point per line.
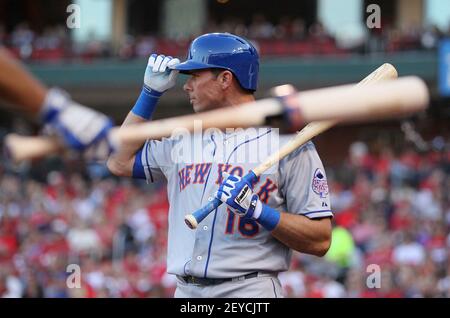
[198, 107]
[204, 106]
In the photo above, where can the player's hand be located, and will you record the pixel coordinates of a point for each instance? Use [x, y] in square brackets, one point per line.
[80, 128]
[237, 193]
[159, 76]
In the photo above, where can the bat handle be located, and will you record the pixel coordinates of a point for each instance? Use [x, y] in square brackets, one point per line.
[192, 220]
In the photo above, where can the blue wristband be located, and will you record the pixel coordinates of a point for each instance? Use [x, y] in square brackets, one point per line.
[269, 217]
[138, 168]
[146, 103]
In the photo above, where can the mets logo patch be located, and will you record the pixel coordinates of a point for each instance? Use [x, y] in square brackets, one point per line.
[319, 183]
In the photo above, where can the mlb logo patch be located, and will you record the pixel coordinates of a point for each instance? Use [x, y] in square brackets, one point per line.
[319, 183]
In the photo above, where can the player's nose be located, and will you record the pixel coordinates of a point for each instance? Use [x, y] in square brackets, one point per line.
[187, 87]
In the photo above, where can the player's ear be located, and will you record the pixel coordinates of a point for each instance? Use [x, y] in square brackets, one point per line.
[225, 79]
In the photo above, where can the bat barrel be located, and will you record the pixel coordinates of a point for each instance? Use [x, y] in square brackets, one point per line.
[391, 99]
[192, 220]
[19, 148]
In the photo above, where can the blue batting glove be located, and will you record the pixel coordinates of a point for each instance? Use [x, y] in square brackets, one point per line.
[237, 193]
[77, 126]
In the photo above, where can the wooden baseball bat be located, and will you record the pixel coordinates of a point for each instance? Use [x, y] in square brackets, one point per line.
[384, 72]
[391, 99]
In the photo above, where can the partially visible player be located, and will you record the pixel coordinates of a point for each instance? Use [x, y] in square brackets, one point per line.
[80, 128]
[239, 249]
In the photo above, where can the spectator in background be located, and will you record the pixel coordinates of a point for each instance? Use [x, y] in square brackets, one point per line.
[260, 27]
[318, 33]
[22, 38]
[127, 48]
[409, 252]
[298, 29]
[145, 46]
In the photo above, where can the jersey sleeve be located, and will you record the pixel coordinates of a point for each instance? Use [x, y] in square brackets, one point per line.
[304, 184]
[152, 159]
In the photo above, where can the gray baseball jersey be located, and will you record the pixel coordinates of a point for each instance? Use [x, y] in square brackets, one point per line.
[225, 245]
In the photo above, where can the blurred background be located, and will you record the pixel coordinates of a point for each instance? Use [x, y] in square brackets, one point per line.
[389, 181]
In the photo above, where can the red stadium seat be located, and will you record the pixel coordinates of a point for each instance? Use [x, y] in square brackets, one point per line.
[48, 54]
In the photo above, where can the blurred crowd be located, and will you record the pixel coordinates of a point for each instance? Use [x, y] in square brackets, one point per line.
[295, 30]
[113, 231]
[392, 228]
[391, 235]
[288, 37]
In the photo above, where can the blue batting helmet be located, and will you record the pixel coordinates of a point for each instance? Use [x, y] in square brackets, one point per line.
[224, 51]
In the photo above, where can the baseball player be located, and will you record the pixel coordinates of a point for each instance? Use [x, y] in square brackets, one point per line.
[238, 250]
[80, 128]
